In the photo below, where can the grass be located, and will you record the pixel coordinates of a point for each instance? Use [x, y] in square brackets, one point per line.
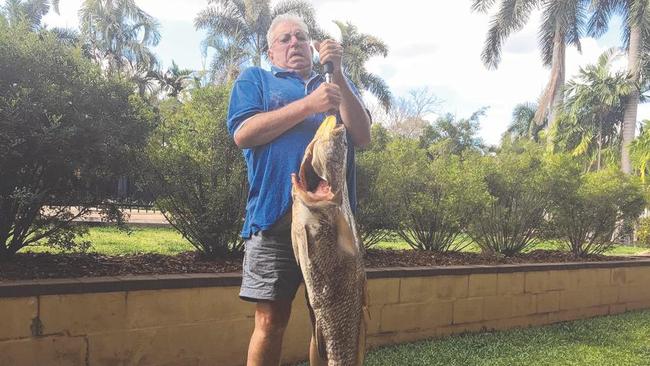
[111, 241]
[612, 340]
[398, 244]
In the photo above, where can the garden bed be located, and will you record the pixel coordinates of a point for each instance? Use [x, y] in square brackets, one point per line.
[46, 265]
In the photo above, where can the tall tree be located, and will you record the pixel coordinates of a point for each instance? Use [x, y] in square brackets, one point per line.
[562, 24]
[237, 31]
[590, 118]
[65, 130]
[175, 80]
[636, 28]
[452, 135]
[30, 11]
[407, 116]
[120, 35]
[523, 123]
[359, 48]
[640, 151]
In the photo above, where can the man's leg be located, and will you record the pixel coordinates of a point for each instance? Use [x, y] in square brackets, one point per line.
[271, 318]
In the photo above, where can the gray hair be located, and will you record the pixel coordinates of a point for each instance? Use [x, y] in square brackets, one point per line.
[286, 17]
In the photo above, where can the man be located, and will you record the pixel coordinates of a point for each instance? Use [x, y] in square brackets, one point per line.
[273, 115]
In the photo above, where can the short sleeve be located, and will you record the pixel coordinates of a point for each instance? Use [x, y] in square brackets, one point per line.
[246, 99]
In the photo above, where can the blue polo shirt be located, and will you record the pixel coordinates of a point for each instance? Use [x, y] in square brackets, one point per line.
[270, 166]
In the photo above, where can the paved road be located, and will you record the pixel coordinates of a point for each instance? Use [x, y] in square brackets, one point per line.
[132, 216]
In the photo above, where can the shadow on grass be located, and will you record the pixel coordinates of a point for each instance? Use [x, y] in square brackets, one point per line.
[611, 340]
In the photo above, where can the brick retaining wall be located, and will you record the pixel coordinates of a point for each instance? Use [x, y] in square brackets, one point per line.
[199, 320]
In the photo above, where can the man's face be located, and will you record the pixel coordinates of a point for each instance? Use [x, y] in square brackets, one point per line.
[290, 48]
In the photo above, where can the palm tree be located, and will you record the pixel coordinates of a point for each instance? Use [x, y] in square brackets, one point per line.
[640, 151]
[120, 34]
[523, 122]
[589, 121]
[229, 55]
[30, 11]
[237, 30]
[562, 23]
[175, 80]
[636, 28]
[359, 47]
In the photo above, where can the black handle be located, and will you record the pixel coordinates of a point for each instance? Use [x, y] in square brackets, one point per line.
[328, 67]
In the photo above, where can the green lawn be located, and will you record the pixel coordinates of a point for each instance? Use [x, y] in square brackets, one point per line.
[109, 240]
[397, 243]
[613, 340]
[607, 341]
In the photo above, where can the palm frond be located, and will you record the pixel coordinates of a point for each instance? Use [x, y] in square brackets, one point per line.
[511, 17]
[482, 6]
[377, 87]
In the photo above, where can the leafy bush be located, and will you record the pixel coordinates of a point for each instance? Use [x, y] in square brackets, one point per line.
[585, 214]
[517, 182]
[198, 173]
[64, 131]
[434, 198]
[374, 215]
[643, 231]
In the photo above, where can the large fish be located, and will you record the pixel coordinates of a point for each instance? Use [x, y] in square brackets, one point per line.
[328, 249]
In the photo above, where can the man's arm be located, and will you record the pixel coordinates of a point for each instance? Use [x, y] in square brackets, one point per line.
[264, 127]
[354, 115]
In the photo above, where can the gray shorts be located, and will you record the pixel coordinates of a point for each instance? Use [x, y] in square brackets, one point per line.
[270, 271]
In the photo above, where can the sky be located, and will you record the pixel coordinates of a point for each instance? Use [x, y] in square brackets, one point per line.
[434, 44]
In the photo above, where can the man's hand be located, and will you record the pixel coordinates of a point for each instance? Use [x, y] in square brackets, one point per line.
[332, 51]
[326, 98]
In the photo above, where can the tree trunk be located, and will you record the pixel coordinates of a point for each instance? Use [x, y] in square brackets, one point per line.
[600, 148]
[632, 103]
[558, 92]
[553, 95]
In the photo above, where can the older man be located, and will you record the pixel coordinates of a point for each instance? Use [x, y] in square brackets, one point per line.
[272, 116]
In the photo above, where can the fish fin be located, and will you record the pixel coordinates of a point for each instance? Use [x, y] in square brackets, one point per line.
[366, 301]
[317, 335]
[363, 325]
[338, 198]
[298, 236]
[320, 343]
[345, 236]
[361, 345]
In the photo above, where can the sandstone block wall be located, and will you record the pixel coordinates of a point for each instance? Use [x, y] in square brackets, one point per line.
[194, 324]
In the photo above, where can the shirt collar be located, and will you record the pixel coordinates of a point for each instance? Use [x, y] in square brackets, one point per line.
[278, 71]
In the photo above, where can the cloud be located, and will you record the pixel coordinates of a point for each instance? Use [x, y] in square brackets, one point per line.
[174, 10]
[414, 49]
[521, 43]
[437, 45]
[452, 68]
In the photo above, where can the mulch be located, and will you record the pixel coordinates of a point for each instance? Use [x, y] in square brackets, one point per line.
[42, 266]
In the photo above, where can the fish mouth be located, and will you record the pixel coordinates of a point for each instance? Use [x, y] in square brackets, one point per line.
[316, 188]
[315, 185]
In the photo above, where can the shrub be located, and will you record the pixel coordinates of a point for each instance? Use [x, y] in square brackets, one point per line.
[64, 130]
[643, 231]
[197, 172]
[518, 185]
[374, 215]
[435, 198]
[586, 214]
